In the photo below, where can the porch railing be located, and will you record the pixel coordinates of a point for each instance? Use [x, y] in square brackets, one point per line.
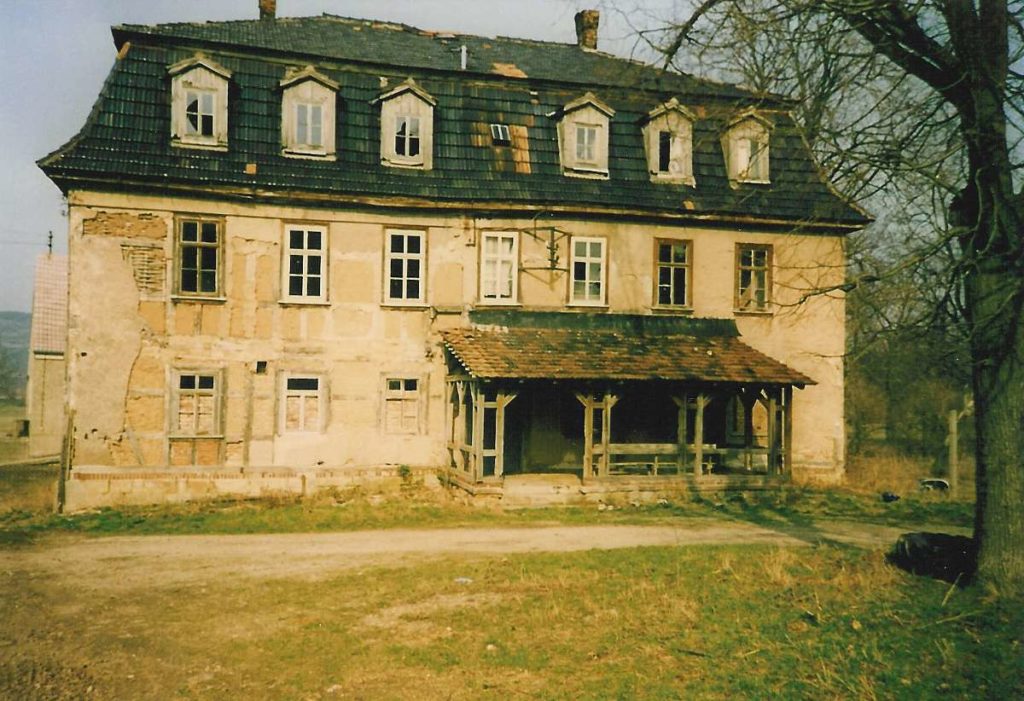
[665, 459]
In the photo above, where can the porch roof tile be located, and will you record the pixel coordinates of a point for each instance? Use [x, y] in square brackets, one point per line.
[609, 354]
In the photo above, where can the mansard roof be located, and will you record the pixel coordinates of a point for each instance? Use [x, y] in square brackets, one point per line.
[125, 144]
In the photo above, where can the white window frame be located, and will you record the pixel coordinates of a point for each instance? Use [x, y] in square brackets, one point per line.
[408, 105]
[303, 256]
[180, 246]
[671, 266]
[760, 278]
[196, 392]
[748, 151]
[500, 135]
[584, 128]
[397, 392]
[302, 394]
[588, 260]
[403, 258]
[305, 92]
[199, 76]
[494, 264]
[675, 121]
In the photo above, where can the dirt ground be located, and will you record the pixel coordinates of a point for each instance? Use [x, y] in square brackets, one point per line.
[148, 616]
[129, 562]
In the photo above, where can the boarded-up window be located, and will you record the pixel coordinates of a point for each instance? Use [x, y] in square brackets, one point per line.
[196, 413]
[302, 403]
[401, 405]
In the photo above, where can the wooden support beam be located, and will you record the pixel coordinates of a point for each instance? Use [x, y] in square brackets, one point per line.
[682, 403]
[478, 431]
[773, 429]
[787, 430]
[698, 435]
[503, 400]
[588, 433]
[608, 402]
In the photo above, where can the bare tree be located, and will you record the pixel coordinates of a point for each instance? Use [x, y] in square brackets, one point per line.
[919, 105]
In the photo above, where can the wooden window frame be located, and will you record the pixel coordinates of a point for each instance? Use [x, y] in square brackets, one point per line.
[403, 396]
[752, 307]
[497, 259]
[403, 255]
[573, 259]
[319, 394]
[289, 252]
[177, 392]
[672, 265]
[180, 247]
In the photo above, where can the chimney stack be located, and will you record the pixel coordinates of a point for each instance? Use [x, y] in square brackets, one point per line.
[268, 9]
[586, 29]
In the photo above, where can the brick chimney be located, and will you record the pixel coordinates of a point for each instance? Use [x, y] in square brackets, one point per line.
[268, 9]
[586, 29]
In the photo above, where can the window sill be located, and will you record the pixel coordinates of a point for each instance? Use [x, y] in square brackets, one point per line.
[673, 180]
[662, 309]
[201, 145]
[198, 299]
[311, 155]
[753, 312]
[749, 181]
[589, 173]
[409, 165]
[497, 303]
[589, 305]
[399, 305]
[304, 303]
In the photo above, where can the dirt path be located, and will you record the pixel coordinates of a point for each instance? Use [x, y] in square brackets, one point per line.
[127, 562]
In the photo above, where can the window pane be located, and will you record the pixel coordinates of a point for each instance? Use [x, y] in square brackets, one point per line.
[664, 151]
[397, 243]
[189, 280]
[413, 289]
[578, 288]
[579, 270]
[664, 253]
[414, 244]
[305, 383]
[410, 385]
[189, 231]
[301, 124]
[207, 125]
[209, 258]
[295, 239]
[397, 269]
[679, 253]
[206, 382]
[209, 232]
[395, 289]
[412, 269]
[595, 249]
[594, 290]
[313, 287]
[313, 240]
[580, 248]
[313, 265]
[414, 146]
[208, 281]
[679, 286]
[295, 285]
[594, 271]
[187, 382]
[189, 257]
[295, 265]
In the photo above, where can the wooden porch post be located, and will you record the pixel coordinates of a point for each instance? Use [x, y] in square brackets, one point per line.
[503, 400]
[698, 435]
[787, 429]
[773, 428]
[749, 398]
[681, 403]
[588, 433]
[478, 431]
[608, 402]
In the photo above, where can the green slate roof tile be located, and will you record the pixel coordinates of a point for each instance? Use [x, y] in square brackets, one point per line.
[127, 136]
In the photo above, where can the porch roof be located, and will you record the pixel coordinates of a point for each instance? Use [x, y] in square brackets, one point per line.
[494, 353]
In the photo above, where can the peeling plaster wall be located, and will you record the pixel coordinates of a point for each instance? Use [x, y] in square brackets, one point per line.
[128, 332]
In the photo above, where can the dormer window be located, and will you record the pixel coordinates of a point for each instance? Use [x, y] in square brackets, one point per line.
[307, 114]
[407, 127]
[668, 139]
[746, 149]
[583, 137]
[199, 103]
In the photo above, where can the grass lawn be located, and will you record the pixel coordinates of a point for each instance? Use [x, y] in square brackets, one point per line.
[750, 622]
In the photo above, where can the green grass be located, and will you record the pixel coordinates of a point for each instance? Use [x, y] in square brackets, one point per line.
[747, 622]
[355, 509]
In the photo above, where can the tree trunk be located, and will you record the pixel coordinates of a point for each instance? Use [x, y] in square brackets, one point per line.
[999, 408]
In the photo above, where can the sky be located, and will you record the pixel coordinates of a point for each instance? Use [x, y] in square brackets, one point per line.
[57, 53]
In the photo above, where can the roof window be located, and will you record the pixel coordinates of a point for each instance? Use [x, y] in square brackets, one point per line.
[500, 135]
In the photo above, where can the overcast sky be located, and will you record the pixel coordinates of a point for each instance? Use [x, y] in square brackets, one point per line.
[56, 54]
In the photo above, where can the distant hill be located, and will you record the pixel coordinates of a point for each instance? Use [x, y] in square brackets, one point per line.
[15, 331]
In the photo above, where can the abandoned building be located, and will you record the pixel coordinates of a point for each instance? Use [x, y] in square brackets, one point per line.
[313, 251]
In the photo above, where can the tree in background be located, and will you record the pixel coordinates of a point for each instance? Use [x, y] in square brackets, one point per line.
[917, 108]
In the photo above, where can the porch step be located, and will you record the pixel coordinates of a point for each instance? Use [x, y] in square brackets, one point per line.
[540, 490]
